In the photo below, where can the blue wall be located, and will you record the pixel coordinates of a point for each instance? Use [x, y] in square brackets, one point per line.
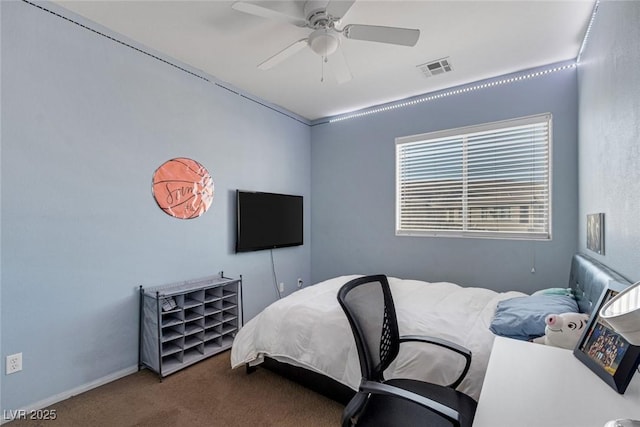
[353, 187]
[85, 122]
[609, 149]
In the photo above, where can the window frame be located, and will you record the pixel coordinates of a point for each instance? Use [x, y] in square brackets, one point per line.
[463, 132]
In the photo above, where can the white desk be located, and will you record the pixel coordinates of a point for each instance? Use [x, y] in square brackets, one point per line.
[533, 385]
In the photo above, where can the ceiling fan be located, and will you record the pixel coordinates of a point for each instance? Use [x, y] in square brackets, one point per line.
[322, 16]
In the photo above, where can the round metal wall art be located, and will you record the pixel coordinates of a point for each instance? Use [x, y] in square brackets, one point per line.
[183, 188]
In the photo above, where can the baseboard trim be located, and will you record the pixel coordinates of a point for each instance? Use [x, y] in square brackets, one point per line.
[77, 390]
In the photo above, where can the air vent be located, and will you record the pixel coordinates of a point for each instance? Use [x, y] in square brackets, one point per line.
[434, 68]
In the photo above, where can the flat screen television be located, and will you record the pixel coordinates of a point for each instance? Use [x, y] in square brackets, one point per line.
[267, 221]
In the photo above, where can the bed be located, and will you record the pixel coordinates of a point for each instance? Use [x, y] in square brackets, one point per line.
[307, 338]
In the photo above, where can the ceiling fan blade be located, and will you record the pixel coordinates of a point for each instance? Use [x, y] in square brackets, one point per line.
[339, 67]
[265, 12]
[283, 54]
[339, 8]
[374, 33]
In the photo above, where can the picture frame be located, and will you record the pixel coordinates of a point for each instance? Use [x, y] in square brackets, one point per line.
[595, 233]
[606, 352]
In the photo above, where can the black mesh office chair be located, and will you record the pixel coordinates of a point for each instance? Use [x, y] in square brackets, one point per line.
[369, 307]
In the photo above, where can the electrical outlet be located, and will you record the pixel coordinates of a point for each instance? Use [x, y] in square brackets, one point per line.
[14, 363]
[281, 287]
[300, 283]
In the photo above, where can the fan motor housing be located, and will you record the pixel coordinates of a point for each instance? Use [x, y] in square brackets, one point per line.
[316, 14]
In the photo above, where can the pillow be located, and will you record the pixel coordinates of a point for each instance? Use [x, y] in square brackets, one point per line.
[556, 291]
[522, 318]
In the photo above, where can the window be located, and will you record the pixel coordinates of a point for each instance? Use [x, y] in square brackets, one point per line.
[491, 180]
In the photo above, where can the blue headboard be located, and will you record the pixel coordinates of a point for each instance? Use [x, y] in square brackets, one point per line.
[589, 278]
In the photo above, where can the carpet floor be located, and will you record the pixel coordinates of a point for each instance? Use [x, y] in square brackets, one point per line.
[208, 393]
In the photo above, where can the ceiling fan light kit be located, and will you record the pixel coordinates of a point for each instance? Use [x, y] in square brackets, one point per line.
[323, 43]
[322, 16]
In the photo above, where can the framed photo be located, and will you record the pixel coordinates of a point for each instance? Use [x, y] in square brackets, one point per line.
[604, 351]
[595, 233]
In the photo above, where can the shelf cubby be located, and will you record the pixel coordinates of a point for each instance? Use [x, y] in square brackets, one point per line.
[183, 323]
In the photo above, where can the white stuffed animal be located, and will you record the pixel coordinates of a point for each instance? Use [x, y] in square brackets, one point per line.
[563, 330]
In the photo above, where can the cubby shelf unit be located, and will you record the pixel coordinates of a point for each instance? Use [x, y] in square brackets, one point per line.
[183, 323]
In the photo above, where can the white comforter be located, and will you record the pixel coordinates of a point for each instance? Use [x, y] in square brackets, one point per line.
[309, 329]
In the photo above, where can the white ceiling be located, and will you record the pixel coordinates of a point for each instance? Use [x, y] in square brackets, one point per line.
[482, 39]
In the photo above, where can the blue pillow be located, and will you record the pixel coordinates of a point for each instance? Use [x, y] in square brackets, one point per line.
[522, 318]
[556, 291]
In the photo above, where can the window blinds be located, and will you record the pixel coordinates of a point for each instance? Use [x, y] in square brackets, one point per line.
[490, 180]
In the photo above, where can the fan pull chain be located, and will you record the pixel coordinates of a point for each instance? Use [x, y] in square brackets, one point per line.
[324, 59]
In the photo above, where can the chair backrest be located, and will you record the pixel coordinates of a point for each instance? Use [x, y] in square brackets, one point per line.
[368, 305]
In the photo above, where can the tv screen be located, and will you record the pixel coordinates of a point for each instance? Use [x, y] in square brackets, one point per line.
[267, 221]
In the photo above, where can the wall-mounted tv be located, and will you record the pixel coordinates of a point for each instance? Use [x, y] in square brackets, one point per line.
[267, 220]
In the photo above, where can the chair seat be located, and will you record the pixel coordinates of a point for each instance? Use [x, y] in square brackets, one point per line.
[390, 411]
